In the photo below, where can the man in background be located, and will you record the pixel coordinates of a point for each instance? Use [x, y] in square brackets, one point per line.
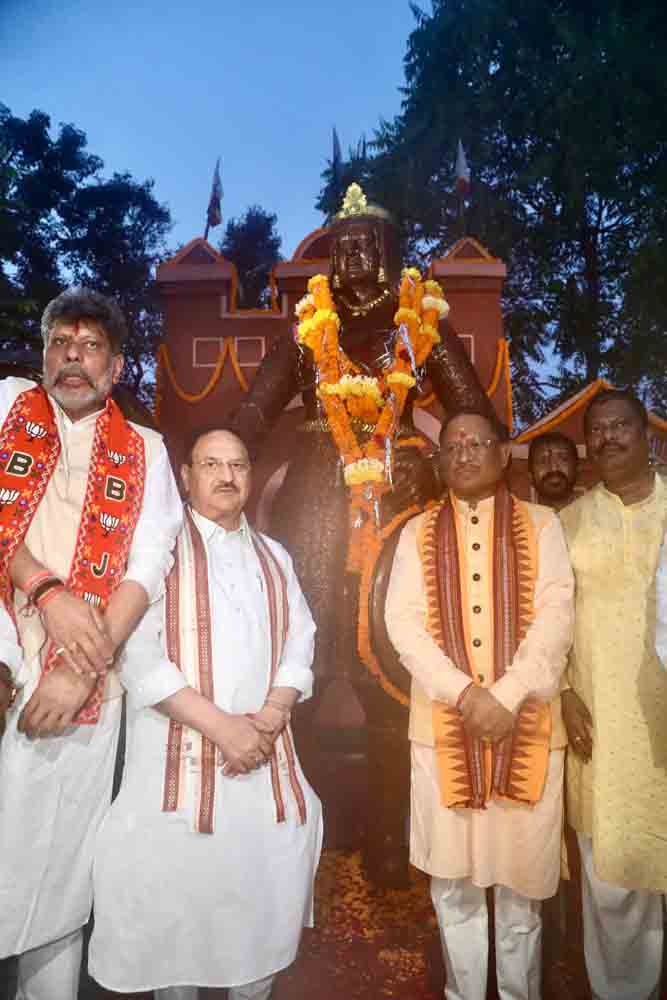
[552, 465]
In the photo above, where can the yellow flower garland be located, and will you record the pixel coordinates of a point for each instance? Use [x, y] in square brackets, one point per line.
[347, 395]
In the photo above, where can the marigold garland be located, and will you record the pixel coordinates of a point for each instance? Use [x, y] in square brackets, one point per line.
[347, 395]
[164, 364]
[366, 651]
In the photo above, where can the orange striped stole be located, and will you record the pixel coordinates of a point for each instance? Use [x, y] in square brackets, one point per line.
[472, 771]
[189, 646]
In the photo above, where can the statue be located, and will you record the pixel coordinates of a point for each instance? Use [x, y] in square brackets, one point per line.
[366, 336]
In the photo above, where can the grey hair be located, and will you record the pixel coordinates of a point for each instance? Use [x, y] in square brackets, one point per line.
[76, 304]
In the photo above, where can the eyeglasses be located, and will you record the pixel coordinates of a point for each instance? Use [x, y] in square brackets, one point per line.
[213, 465]
[474, 447]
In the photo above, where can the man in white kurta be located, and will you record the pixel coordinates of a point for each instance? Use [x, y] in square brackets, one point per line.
[508, 844]
[54, 789]
[177, 908]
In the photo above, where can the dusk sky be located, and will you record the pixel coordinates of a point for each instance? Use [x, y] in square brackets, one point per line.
[162, 89]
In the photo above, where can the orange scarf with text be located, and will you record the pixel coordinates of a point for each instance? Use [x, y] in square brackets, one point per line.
[471, 770]
[29, 451]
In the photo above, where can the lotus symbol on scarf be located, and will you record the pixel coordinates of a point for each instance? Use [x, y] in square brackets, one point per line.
[108, 521]
[34, 430]
[8, 496]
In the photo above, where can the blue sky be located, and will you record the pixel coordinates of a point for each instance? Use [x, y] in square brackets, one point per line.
[161, 89]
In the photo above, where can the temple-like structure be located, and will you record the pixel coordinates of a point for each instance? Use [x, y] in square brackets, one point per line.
[211, 350]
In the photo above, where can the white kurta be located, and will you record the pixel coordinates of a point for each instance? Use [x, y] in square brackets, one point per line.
[54, 791]
[506, 843]
[175, 907]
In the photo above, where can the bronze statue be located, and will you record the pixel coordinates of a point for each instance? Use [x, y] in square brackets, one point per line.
[310, 513]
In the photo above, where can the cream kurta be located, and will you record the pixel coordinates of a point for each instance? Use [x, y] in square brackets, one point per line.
[54, 791]
[173, 906]
[620, 797]
[505, 843]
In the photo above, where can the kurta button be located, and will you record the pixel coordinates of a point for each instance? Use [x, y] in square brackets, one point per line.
[474, 519]
[476, 546]
[476, 577]
[477, 643]
[476, 609]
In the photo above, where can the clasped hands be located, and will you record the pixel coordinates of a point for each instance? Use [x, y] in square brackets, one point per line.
[247, 741]
[79, 633]
[484, 716]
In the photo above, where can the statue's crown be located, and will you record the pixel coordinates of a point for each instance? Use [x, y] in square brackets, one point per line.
[355, 203]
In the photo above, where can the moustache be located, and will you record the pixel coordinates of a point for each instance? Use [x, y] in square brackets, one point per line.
[225, 488]
[73, 371]
[555, 477]
[610, 449]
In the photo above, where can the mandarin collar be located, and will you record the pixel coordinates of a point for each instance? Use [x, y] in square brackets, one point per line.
[462, 506]
[658, 491]
[209, 529]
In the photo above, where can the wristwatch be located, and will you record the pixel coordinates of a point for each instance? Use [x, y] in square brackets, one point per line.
[7, 681]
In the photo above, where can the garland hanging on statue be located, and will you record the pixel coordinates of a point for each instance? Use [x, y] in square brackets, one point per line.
[347, 396]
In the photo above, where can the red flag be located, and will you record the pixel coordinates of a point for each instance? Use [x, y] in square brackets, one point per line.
[462, 182]
[214, 211]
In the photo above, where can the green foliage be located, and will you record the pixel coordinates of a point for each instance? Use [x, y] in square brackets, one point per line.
[562, 111]
[253, 245]
[62, 223]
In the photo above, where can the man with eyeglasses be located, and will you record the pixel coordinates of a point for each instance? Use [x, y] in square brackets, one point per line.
[480, 609]
[616, 709]
[204, 867]
[89, 512]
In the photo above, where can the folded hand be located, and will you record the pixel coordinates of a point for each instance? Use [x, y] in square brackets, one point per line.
[484, 716]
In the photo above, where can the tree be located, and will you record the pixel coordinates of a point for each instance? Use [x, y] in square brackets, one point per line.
[253, 245]
[115, 234]
[61, 222]
[561, 107]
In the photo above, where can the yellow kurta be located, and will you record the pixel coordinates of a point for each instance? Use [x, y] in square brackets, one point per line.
[620, 797]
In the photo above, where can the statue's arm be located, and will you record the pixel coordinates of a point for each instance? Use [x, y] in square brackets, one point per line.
[277, 381]
[454, 380]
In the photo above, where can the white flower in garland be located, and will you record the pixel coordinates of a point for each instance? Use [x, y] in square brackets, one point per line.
[354, 202]
[365, 470]
[441, 305]
[304, 305]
